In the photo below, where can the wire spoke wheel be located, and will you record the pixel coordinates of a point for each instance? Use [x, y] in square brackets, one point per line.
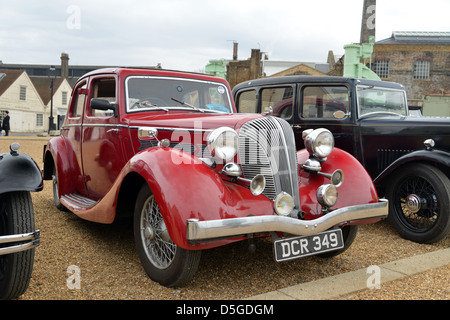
[157, 244]
[161, 258]
[419, 201]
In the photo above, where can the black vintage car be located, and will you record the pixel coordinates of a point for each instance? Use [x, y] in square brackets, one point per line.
[407, 157]
[19, 175]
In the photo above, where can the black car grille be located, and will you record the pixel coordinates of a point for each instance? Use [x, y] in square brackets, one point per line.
[267, 146]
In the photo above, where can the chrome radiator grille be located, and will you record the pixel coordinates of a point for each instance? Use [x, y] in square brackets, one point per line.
[267, 146]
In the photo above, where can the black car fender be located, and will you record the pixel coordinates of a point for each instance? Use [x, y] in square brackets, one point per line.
[19, 172]
[434, 157]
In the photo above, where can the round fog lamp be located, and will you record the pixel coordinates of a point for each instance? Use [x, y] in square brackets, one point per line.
[284, 204]
[327, 195]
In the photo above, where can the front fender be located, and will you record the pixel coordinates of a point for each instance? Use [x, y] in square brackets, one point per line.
[185, 188]
[358, 187]
[19, 172]
[433, 156]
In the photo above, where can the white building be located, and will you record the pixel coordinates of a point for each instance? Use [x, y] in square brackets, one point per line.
[28, 100]
[61, 97]
[19, 96]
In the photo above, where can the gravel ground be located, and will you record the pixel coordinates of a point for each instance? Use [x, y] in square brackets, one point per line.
[110, 267]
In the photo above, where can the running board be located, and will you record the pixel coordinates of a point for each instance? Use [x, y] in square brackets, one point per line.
[79, 200]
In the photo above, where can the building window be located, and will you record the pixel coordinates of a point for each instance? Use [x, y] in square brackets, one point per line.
[23, 93]
[64, 98]
[421, 69]
[39, 120]
[381, 68]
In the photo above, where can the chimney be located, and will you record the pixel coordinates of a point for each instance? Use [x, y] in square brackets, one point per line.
[64, 65]
[368, 20]
[235, 50]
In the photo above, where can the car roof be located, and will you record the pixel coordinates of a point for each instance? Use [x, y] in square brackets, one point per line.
[313, 79]
[125, 71]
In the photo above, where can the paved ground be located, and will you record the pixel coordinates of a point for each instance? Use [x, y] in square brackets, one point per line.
[428, 272]
[111, 270]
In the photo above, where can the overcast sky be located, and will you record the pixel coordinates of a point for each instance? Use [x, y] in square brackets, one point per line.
[186, 34]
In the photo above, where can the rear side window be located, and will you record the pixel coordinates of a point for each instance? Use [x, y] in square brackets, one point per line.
[322, 102]
[78, 102]
[247, 102]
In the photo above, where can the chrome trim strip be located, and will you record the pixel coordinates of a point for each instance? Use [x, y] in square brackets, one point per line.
[133, 127]
[176, 129]
[202, 231]
[34, 238]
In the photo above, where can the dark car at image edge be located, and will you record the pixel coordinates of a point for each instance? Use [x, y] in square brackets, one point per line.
[408, 157]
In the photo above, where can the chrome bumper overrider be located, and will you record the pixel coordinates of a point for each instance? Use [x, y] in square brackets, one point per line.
[202, 231]
[33, 239]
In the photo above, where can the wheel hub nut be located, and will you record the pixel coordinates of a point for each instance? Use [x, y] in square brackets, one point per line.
[413, 203]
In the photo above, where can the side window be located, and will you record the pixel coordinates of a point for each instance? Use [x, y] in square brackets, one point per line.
[78, 102]
[322, 102]
[279, 99]
[247, 102]
[104, 89]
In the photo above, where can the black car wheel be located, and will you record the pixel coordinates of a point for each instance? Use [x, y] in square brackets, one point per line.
[349, 234]
[162, 259]
[56, 198]
[16, 217]
[419, 203]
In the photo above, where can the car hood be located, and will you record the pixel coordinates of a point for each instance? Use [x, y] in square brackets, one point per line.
[190, 120]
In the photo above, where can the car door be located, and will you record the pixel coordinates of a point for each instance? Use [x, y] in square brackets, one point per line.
[72, 133]
[102, 152]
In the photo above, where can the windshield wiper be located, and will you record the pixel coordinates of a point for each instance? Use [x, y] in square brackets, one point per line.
[151, 105]
[187, 104]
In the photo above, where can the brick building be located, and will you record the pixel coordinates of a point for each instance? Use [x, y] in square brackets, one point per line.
[421, 62]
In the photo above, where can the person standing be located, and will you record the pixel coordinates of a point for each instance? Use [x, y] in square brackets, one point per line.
[5, 125]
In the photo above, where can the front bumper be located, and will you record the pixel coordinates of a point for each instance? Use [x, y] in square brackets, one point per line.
[203, 231]
[32, 240]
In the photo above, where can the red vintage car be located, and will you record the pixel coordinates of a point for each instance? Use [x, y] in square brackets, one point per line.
[169, 149]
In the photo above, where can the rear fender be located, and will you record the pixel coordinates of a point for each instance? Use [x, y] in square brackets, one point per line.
[19, 172]
[56, 154]
[358, 187]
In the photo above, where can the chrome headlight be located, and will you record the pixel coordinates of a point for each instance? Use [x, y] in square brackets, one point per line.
[327, 195]
[223, 143]
[319, 143]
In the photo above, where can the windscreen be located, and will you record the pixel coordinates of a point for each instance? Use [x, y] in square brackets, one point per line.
[145, 93]
[378, 100]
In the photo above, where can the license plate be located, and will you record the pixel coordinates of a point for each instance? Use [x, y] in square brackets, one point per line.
[297, 247]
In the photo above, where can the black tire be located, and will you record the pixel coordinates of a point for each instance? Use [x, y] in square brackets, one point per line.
[163, 261]
[349, 234]
[16, 217]
[419, 203]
